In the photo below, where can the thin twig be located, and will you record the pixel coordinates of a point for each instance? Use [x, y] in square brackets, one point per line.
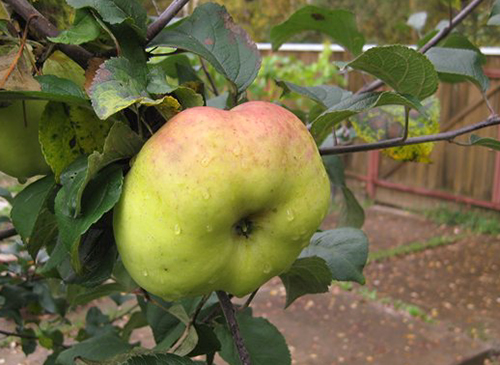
[229, 313]
[209, 77]
[407, 124]
[11, 232]
[165, 17]
[396, 142]
[435, 40]
[20, 335]
[155, 5]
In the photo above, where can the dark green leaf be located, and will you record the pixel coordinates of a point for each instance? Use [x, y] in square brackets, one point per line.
[129, 12]
[352, 213]
[495, 14]
[458, 65]
[28, 344]
[325, 95]
[345, 250]
[308, 275]
[211, 33]
[459, 41]
[162, 322]
[142, 357]
[404, 69]
[100, 196]
[31, 215]
[220, 101]
[264, 342]
[322, 126]
[97, 323]
[339, 24]
[97, 292]
[84, 29]
[136, 320]
[95, 348]
[485, 142]
[208, 342]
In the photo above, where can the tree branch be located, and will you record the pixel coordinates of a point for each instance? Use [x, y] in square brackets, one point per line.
[165, 17]
[396, 142]
[11, 232]
[229, 313]
[20, 335]
[435, 40]
[44, 28]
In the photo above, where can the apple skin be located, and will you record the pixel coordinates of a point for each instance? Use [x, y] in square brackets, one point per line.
[20, 151]
[200, 180]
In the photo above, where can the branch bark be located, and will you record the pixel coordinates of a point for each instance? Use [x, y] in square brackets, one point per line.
[20, 335]
[396, 142]
[229, 313]
[435, 40]
[11, 232]
[165, 17]
[43, 28]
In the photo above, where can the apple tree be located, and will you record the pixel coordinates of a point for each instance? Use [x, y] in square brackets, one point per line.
[161, 185]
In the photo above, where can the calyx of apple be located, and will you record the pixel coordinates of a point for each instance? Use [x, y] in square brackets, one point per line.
[220, 200]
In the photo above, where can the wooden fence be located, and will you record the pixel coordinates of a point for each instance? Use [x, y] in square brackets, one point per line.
[469, 175]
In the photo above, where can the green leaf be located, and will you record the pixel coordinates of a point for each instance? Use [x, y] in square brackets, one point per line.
[97, 292]
[142, 357]
[265, 344]
[211, 33]
[129, 12]
[355, 104]
[28, 344]
[308, 275]
[404, 69]
[345, 250]
[67, 132]
[84, 29]
[208, 343]
[136, 320]
[485, 142]
[325, 95]
[99, 197]
[351, 214]
[119, 83]
[458, 41]
[31, 216]
[95, 348]
[120, 143]
[458, 65]
[495, 14]
[339, 24]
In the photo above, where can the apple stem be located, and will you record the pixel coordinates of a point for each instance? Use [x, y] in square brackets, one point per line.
[229, 313]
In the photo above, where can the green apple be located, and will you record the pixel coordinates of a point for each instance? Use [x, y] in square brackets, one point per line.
[20, 152]
[220, 200]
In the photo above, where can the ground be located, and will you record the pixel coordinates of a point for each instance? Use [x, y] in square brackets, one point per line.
[436, 303]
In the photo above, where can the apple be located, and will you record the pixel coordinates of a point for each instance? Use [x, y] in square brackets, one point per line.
[20, 151]
[220, 200]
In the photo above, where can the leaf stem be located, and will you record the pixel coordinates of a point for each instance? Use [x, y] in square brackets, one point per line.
[229, 313]
[20, 335]
[209, 77]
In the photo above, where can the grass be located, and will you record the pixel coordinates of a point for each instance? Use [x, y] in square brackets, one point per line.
[413, 247]
[473, 220]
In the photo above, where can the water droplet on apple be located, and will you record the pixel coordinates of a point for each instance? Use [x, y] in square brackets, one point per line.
[145, 273]
[289, 215]
[295, 238]
[209, 228]
[205, 161]
[211, 281]
[237, 150]
[267, 268]
[205, 194]
[177, 229]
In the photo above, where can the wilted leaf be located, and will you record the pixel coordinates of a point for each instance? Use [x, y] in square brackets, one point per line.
[20, 76]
